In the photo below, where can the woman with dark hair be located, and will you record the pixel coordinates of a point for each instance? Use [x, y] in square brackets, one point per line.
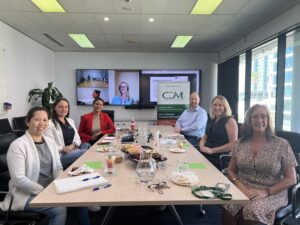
[124, 98]
[95, 124]
[221, 132]
[63, 131]
[33, 163]
[262, 167]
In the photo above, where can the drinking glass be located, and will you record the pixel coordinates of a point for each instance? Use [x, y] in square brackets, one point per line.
[182, 166]
[110, 164]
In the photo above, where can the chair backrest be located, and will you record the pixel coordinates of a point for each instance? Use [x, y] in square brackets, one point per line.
[293, 138]
[111, 114]
[5, 141]
[18, 123]
[5, 127]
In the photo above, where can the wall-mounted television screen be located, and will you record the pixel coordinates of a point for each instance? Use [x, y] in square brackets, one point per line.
[115, 87]
[150, 78]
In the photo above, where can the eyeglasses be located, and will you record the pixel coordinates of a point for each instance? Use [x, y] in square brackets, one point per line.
[158, 187]
[259, 116]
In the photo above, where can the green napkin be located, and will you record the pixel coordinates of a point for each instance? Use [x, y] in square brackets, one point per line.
[196, 166]
[94, 165]
[186, 145]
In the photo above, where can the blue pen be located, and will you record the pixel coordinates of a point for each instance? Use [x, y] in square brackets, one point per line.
[101, 187]
[86, 179]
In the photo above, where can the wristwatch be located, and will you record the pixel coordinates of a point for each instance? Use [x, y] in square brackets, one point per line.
[233, 179]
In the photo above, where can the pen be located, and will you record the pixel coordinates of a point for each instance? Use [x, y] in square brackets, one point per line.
[101, 187]
[86, 179]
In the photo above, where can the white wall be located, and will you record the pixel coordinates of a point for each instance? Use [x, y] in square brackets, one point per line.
[67, 63]
[27, 65]
[286, 20]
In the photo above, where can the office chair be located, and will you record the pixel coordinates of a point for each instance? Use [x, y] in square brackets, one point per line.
[294, 218]
[12, 217]
[18, 123]
[5, 127]
[111, 114]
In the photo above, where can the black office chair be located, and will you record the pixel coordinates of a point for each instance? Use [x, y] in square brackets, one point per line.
[293, 138]
[18, 123]
[5, 127]
[12, 217]
[294, 218]
[111, 114]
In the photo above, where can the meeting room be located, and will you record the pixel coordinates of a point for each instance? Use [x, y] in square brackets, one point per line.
[149, 112]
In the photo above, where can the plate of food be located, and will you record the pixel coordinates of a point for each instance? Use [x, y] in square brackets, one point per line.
[156, 156]
[131, 149]
[187, 178]
[103, 149]
[177, 150]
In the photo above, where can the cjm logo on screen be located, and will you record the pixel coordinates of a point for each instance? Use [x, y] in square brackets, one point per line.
[172, 95]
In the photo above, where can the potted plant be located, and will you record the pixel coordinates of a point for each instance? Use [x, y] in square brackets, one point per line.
[45, 97]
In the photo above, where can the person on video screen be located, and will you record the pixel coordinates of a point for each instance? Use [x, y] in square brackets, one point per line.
[96, 94]
[124, 98]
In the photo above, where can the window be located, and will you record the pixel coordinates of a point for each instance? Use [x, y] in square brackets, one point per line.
[292, 83]
[242, 76]
[264, 75]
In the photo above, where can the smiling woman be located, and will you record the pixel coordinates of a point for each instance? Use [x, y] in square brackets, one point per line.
[221, 132]
[95, 124]
[262, 166]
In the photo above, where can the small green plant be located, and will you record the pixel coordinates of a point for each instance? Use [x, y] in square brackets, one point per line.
[45, 97]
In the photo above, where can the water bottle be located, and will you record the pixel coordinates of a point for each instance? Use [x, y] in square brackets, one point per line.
[132, 125]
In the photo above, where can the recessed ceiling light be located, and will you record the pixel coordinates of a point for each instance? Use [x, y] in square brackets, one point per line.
[48, 5]
[106, 19]
[181, 41]
[82, 40]
[151, 20]
[206, 7]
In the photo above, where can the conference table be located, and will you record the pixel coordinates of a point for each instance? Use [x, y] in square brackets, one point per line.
[126, 190]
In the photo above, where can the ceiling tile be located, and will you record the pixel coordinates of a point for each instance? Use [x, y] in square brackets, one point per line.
[130, 24]
[180, 7]
[231, 6]
[154, 7]
[151, 27]
[173, 24]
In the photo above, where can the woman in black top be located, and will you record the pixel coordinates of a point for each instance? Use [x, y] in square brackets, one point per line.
[221, 131]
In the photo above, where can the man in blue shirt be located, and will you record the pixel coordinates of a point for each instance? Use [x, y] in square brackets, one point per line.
[192, 121]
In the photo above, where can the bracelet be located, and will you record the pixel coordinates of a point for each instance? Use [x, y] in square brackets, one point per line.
[75, 145]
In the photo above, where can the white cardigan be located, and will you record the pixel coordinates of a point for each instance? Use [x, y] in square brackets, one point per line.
[55, 132]
[24, 169]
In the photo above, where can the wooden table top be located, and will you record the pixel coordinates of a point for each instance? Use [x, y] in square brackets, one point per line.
[126, 190]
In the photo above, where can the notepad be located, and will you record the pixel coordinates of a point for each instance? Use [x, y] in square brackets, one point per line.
[70, 184]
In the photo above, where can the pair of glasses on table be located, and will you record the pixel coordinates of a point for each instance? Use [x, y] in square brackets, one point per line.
[158, 187]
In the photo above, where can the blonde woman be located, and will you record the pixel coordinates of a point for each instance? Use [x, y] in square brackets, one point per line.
[221, 132]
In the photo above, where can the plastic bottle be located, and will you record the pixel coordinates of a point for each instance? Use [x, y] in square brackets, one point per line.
[132, 124]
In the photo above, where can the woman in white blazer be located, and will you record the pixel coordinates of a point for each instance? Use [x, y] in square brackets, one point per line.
[33, 163]
[63, 131]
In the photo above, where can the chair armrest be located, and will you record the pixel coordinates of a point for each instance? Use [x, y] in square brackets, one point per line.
[10, 204]
[224, 159]
[296, 201]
